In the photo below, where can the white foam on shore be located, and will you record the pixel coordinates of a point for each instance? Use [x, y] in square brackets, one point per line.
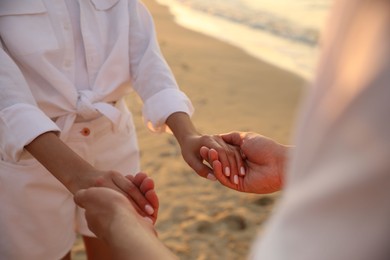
[288, 54]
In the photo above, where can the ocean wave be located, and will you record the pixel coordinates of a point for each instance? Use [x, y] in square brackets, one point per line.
[256, 19]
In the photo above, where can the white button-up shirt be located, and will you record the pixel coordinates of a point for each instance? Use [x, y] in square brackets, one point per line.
[40, 67]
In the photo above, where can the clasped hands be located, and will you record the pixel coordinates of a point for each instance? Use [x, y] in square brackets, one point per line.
[258, 167]
[246, 162]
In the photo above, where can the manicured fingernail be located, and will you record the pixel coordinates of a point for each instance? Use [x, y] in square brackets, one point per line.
[211, 177]
[242, 171]
[235, 179]
[149, 220]
[149, 209]
[227, 171]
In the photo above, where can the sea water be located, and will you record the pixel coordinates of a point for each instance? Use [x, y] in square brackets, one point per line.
[285, 33]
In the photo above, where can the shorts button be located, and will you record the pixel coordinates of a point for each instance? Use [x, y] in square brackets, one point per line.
[85, 131]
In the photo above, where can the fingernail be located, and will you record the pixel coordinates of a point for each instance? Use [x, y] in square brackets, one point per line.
[242, 171]
[149, 220]
[211, 177]
[149, 209]
[235, 179]
[227, 171]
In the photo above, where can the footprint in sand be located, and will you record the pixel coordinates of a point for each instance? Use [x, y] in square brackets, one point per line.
[202, 101]
[175, 146]
[264, 201]
[234, 222]
[153, 166]
[185, 66]
[166, 154]
[231, 223]
[172, 141]
[204, 226]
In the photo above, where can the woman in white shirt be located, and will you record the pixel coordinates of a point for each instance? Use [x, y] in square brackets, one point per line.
[335, 203]
[65, 67]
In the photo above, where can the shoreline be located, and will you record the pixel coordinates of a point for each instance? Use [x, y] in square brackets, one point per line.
[230, 90]
[282, 52]
[245, 84]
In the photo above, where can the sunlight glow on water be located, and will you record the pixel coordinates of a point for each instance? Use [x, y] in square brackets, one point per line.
[282, 32]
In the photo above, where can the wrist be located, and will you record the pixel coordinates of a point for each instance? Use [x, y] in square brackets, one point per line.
[181, 126]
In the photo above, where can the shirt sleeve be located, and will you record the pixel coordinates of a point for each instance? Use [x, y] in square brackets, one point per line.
[151, 76]
[336, 201]
[21, 121]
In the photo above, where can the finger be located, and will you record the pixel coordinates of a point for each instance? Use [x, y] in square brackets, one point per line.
[234, 168]
[79, 198]
[151, 196]
[240, 162]
[147, 188]
[234, 138]
[227, 157]
[216, 143]
[212, 155]
[142, 181]
[204, 151]
[139, 177]
[217, 166]
[134, 193]
[146, 185]
[200, 168]
[220, 147]
[130, 177]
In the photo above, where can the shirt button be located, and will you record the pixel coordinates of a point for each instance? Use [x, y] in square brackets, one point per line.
[85, 131]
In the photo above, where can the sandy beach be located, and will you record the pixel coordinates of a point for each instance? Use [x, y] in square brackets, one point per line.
[230, 90]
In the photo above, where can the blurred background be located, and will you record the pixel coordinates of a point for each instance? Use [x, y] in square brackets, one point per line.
[245, 65]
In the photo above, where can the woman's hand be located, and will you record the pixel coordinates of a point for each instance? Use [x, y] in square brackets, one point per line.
[191, 141]
[138, 189]
[229, 156]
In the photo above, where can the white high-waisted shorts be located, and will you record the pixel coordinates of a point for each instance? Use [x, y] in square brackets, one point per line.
[38, 217]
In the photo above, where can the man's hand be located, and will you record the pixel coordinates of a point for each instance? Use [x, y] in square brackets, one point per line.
[109, 213]
[114, 220]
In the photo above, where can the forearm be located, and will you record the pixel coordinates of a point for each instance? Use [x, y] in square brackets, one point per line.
[181, 126]
[141, 246]
[129, 238]
[59, 160]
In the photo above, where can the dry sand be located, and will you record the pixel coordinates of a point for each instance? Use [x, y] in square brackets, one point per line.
[230, 90]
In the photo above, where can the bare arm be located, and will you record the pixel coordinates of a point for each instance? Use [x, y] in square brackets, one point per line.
[75, 173]
[62, 162]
